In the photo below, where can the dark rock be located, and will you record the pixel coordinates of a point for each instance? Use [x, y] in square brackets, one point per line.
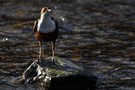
[63, 75]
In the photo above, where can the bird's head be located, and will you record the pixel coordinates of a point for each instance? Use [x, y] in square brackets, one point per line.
[44, 11]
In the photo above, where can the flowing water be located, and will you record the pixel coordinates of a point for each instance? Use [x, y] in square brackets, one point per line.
[96, 34]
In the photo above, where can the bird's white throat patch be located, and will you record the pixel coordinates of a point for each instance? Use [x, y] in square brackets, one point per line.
[46, 25]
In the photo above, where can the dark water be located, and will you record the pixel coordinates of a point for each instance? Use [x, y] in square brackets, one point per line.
[96, 34]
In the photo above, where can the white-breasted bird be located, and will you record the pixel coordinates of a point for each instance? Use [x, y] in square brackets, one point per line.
[46, 30]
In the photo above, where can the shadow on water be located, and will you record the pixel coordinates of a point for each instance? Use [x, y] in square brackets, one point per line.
[96, 34]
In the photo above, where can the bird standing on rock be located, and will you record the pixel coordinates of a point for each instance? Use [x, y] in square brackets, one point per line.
[46, 30]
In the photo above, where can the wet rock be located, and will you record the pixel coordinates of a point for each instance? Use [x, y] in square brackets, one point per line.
[63, 75]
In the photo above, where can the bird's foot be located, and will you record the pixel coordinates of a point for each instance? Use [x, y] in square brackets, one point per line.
[53, 60]
[39, 59]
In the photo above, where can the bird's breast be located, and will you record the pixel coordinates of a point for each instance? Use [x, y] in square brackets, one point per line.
[46, 26]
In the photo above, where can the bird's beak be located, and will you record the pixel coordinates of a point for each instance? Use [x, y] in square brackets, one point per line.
[49, 10]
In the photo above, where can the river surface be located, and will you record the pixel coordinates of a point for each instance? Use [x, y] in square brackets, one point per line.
[96, 34]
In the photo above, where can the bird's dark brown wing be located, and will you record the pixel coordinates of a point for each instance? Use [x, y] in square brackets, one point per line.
[56, 24]
[35, 26]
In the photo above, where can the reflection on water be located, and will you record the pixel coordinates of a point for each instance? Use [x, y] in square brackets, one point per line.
[4, 39]
[62, 18]
[96, 34]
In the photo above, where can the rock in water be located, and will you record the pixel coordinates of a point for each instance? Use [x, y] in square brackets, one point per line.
[63, 75]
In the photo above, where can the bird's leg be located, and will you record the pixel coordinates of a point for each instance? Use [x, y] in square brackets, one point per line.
[53, 50]
[40, 50]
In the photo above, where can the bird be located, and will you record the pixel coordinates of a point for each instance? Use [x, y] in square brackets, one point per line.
[46, 29]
